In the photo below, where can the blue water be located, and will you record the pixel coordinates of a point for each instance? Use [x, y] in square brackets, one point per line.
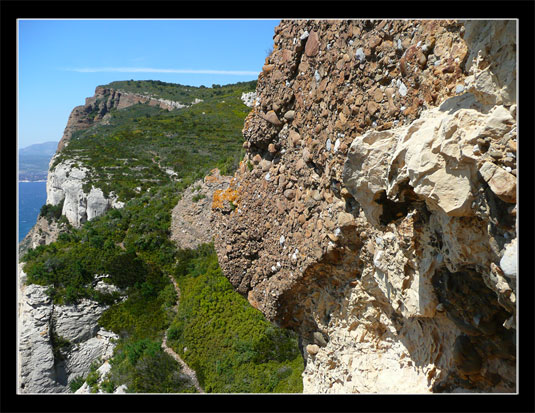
[32, 196]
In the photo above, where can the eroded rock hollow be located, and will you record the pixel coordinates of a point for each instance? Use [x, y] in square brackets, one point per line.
[375, 210]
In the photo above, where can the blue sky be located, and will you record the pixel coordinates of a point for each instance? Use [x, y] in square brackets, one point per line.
[60, 62]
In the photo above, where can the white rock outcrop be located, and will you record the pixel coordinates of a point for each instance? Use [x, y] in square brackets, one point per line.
[77, 322]
[38, 369]
[509, 260]
[36, 359]
[98, 347]
[436, 155]
[65, 183]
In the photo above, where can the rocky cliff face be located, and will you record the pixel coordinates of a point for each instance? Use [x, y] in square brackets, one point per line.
[375, 210]
[66, 179]
[97, 108]
[44, 364]
[191, 217]
[65, 184]
[42, 233]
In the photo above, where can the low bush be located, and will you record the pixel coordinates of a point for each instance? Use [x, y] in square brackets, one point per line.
[144, 367]
[51, 212]
[76, 383]
[138, 317]
[232, 347]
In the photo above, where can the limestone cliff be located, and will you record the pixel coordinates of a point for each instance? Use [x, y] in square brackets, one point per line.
[97, 108]
[66, 179]
[56, 343]
[65, 184]
[375, 209]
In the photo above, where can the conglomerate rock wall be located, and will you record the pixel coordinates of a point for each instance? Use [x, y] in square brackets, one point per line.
[375, 209]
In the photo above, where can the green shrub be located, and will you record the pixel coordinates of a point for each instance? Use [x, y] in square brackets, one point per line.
[92, 378]
[76, 383]
[140, 348]
[168, 296]
[160, 373]
[108, 386]
[232, 347]
[126, 269]
[138, 317]
[51, 212]
[145, 368]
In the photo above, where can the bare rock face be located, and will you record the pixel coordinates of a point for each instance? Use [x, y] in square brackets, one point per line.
[65, 183]
[436, 157]
[492, 64]
[191, 217]
[41, 367]
[42, 233]
[36, 359]
[375, 206]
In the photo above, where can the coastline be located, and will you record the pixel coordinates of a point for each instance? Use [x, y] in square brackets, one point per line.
[30, 200]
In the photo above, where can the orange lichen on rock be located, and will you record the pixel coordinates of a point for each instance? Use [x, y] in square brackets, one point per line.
[213, 177]
[226, 199]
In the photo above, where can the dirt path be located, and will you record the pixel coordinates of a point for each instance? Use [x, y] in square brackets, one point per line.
[185, 368]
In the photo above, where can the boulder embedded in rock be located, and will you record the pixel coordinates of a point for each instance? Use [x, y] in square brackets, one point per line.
[312, 46]
[508, 263]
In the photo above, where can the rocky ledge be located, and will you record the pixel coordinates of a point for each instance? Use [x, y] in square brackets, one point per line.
[191, 217]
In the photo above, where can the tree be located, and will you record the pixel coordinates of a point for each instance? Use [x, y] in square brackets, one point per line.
[126, 269]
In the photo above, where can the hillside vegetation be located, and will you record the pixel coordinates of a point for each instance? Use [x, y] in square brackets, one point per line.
[229, 343]
[238, 350]
[179, 93]
[144, 146]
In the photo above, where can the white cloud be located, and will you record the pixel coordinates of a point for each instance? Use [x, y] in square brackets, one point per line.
[155, 70]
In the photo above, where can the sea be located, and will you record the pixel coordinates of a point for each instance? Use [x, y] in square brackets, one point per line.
[32, 196]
